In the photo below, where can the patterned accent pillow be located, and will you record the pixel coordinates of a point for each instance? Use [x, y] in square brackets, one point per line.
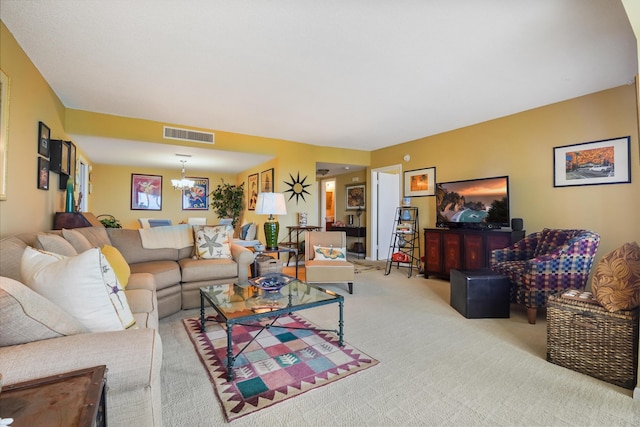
[211, 242]
[550, 240]
[616, 280]
[322, 253]
[244, 230]
[118, 263]
[84, 286]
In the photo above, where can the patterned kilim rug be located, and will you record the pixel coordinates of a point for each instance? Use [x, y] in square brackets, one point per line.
[281, 363]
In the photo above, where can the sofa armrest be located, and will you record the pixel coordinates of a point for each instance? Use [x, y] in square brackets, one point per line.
[244, 258]
[142, 281]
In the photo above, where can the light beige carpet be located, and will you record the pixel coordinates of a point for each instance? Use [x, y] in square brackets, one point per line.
[436, 368]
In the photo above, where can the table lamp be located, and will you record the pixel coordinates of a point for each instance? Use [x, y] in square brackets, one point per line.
[271, 204]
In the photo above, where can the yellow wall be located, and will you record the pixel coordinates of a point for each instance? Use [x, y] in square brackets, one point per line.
[521, 146]
[31, 101]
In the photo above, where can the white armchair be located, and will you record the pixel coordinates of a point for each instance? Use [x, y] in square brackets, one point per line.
[325, 258]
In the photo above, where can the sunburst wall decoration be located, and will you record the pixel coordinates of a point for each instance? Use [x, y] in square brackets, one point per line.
[297, 188]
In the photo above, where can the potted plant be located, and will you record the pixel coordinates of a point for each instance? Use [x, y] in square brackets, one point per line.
[109, 221]
[227, 201]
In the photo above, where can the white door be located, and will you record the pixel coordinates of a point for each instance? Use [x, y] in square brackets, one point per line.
[388, 199]
[327, 186]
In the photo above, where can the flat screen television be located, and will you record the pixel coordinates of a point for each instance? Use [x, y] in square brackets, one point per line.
[473, 203]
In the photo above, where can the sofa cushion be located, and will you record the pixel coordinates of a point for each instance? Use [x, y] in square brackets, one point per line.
[165, 273]
[26, 316]
[77, 240]
[207, 269]
[11, 249]
[118, 263]
[85, 286]
[211, 242]
[129, 243]
[97, 236]
[550, 239]
[616, 280]
[54, 243]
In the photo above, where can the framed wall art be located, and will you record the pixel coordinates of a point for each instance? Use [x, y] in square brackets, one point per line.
[44, 136]
[592, 163]
[355, 197]
[266, 181]
[420, 182]
[146, 192]
[196, 197]
[252, 194]
[43, 173]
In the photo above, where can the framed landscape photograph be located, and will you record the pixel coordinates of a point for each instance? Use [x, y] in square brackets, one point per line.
[355, 196]
[44, 135]
[43, 173]
[197, 197]
[420, 182]
[146, 192]
[266, 181]
[593, 163]
[252, 192]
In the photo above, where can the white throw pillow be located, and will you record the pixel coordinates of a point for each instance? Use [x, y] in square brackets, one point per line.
[211, 242]
[324, 253]
[85, 286]
[251, 232]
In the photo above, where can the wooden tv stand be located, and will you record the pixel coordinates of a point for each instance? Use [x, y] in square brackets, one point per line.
[460, 249]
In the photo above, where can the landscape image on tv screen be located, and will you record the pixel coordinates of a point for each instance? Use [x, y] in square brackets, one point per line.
[473, 201]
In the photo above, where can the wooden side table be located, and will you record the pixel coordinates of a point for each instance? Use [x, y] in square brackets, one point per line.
[74, 398]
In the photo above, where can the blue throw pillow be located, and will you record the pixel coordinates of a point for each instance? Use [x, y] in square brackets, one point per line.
[244, 230]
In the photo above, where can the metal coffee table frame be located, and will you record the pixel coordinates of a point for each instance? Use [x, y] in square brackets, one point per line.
[273, 313]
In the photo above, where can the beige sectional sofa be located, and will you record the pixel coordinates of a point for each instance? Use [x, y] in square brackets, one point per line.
[162, 282]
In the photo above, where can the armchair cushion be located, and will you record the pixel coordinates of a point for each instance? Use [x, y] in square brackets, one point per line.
[616, 280]
[550, 240]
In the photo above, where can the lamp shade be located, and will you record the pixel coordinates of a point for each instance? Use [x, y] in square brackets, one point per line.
[271, 204]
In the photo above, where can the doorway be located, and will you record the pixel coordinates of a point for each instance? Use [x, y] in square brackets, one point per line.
[385, 198]
[327, 202]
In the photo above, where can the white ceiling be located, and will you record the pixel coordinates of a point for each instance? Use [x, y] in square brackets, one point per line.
[362, 74]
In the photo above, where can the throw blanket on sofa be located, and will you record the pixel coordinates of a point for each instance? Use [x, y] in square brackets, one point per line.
[174, 236]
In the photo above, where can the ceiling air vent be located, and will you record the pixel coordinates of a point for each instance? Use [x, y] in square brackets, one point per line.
[189, 135]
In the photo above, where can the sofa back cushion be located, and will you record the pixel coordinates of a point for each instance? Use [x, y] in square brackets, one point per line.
[55, 243]
[129, 243]
[26, 316]
[11, 249]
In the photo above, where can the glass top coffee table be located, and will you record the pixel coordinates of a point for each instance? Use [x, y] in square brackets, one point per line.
[247, 305]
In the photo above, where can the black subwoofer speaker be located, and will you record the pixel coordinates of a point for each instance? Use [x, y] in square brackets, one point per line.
[517, 224]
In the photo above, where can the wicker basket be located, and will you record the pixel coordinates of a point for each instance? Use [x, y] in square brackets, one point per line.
[266, 264]
[585, 337]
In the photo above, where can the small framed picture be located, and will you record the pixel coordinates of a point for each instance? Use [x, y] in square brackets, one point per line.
[146, 192]
[252, 194]
[266, 181]
[44, 136]
[43, 173]
[592, 163]
[355, 197]
[196, 198]
[420, 182]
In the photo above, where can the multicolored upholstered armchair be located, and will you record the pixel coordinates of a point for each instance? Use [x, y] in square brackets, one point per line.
[546, 263]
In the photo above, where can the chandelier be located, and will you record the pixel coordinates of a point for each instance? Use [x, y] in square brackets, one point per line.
[182, 183]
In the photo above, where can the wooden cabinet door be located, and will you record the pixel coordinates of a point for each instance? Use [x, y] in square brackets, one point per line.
[452, 251]
[473, 253]
[433, 255]
[496, 241]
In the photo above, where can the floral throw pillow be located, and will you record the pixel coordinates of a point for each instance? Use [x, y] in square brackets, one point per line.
[323, 253]
[211, 242]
